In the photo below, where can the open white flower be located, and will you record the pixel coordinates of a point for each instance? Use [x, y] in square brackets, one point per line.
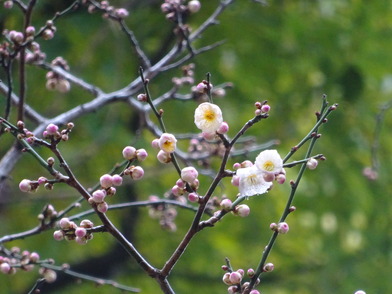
[269, 161]
[252, 181]
[208, 117]
[167, 142]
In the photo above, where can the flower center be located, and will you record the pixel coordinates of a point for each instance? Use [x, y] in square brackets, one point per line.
[209, 115]
[268, 165]
[252, 179]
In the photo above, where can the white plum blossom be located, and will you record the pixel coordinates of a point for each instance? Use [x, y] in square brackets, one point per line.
[167, 142]
[208, 117]
[251, 181]
[269, 161]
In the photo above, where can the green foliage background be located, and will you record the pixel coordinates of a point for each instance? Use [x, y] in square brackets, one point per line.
[290, 53]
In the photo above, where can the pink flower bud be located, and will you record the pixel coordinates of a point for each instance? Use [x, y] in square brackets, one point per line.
[235, 277]
[177, 191]
[81, 240]
[58, 235]
[153, 198]
[86, 223]
[193, 197]
[52, 129]
[111, 191]
[80, 232]
[208, 136]
[195, 184]
[223, 128]
[360, 292]
[268, 177]
[121, 13]
[242, 210]
[155, 143]
[98, 196]
[236, 165]
[137, 173]
[269, 267]
[30, 31]
[142, 97]
[47, 34]
[129, 152]
[283, 228]
[265, 108]
[163, 156]
[254, 291]
[201, 87]
[246, 163]
[5, 268]
[16, 37]
[250, 272]
[63, 86]
[180, 183]
[50, 276]
[370, 173]
[258, 112]
[64, 223]
[102, 207]
[312, 163]
[8, 4]
[117, 180]
[226, 204]
[226, 279]
[106, 181]
[25, 185]
[141, 154]
[280, 178]
[273, 226]
[194, 6]
[235, 181]
[189, 174]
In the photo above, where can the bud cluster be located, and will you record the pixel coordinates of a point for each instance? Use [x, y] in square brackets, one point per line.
[56, 81]
[131, 153]
[48, 215]
[281, 228]
[107, 189]
[187, 76]
[52, 132]
[234, 280]
[200, 146]
[171, 8]
[27, 185]
[167, 144]
[166, 214]
[24, 261]
[262, 108]
[23, 132]
[108, 10]
[49, 30]
[70, 231]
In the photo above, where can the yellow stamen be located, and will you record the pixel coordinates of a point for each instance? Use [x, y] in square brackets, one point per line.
[209, 115]
[268, 165]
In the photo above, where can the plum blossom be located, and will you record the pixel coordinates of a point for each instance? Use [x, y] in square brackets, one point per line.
[208, 117]
[269, 161]
[251, 181]
[168, 143]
